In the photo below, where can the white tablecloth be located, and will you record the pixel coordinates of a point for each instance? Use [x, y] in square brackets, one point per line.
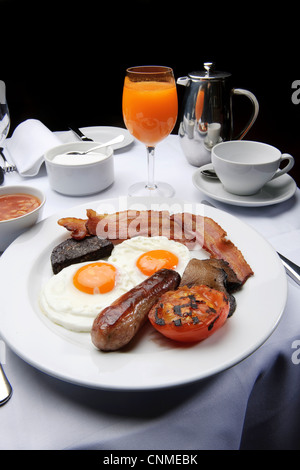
[253, 405]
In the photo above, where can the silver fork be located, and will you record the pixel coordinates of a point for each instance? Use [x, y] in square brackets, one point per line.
[7, 168]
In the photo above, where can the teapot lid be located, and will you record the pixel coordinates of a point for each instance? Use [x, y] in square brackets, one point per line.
[209, 73]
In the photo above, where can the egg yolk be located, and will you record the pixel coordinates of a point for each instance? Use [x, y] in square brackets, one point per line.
[151, 261]
[95, 278]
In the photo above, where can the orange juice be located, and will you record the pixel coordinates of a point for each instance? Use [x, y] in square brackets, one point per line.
[150, 109]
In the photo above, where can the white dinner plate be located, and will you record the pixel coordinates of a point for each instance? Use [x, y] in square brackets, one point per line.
[151, 361]
[99, 134]
[274, 192]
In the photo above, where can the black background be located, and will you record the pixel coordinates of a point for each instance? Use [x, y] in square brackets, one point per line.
[64, 62]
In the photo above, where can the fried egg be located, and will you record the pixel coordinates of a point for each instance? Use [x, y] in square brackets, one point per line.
[74, 297]
[143, 256]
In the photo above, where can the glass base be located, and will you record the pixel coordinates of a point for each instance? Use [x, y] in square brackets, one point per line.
[159, 190]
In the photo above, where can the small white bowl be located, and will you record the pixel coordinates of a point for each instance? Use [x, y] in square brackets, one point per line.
[12, 228]
[80, 179]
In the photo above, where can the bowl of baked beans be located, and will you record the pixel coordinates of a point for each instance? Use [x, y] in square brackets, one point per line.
[20, 209]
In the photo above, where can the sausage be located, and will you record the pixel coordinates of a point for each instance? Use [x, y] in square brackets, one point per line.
[117, 324]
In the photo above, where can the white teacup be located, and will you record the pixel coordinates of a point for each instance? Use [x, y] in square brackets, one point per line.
[245, 166]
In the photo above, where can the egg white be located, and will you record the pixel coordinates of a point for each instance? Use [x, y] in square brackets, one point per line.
[127, 253]
[73, 309]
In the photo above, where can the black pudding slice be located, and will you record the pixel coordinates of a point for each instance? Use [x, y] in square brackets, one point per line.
[73, 251]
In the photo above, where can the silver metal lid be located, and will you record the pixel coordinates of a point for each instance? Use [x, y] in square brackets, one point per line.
[209, 73]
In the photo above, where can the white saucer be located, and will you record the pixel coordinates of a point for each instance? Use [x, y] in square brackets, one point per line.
[274, 192]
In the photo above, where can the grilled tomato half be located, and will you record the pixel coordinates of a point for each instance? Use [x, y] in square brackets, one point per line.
[190, 314]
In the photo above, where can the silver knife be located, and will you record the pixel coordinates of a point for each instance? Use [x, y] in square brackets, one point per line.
[80, 134]
[291, 268]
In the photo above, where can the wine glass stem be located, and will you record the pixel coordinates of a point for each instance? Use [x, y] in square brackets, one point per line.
[150, 161]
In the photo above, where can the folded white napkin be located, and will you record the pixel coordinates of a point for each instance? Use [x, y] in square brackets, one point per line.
[27, 145]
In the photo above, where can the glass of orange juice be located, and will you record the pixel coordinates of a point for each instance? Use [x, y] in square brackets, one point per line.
[150, 110]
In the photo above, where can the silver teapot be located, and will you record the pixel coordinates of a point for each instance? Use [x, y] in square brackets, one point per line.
[207, 113]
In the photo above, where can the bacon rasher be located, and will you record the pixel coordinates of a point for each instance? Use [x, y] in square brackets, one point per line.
[186, 228]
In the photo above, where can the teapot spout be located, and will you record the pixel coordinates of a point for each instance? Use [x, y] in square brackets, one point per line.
[184, 81]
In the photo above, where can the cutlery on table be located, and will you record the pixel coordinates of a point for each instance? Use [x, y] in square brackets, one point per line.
[292, 269]
[5, 387]
[116, 140]
[7, 168]
[4, 170]
[80, 134]
[210, 173]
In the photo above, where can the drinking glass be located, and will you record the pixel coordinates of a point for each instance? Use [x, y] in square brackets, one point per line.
[4, 113]
[150, 110]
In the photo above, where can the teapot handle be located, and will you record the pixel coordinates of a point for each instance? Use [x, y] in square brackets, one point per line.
[252, 98]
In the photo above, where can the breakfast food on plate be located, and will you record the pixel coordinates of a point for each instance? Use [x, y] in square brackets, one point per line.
[76, 226]
[198, 271]
[188, 229]
[214, 273]
[117, 324]
[190, 314]
[73, 303]
[142, 256]
[147, 274]
[72, 251]
[74, 297]
[16, 205]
